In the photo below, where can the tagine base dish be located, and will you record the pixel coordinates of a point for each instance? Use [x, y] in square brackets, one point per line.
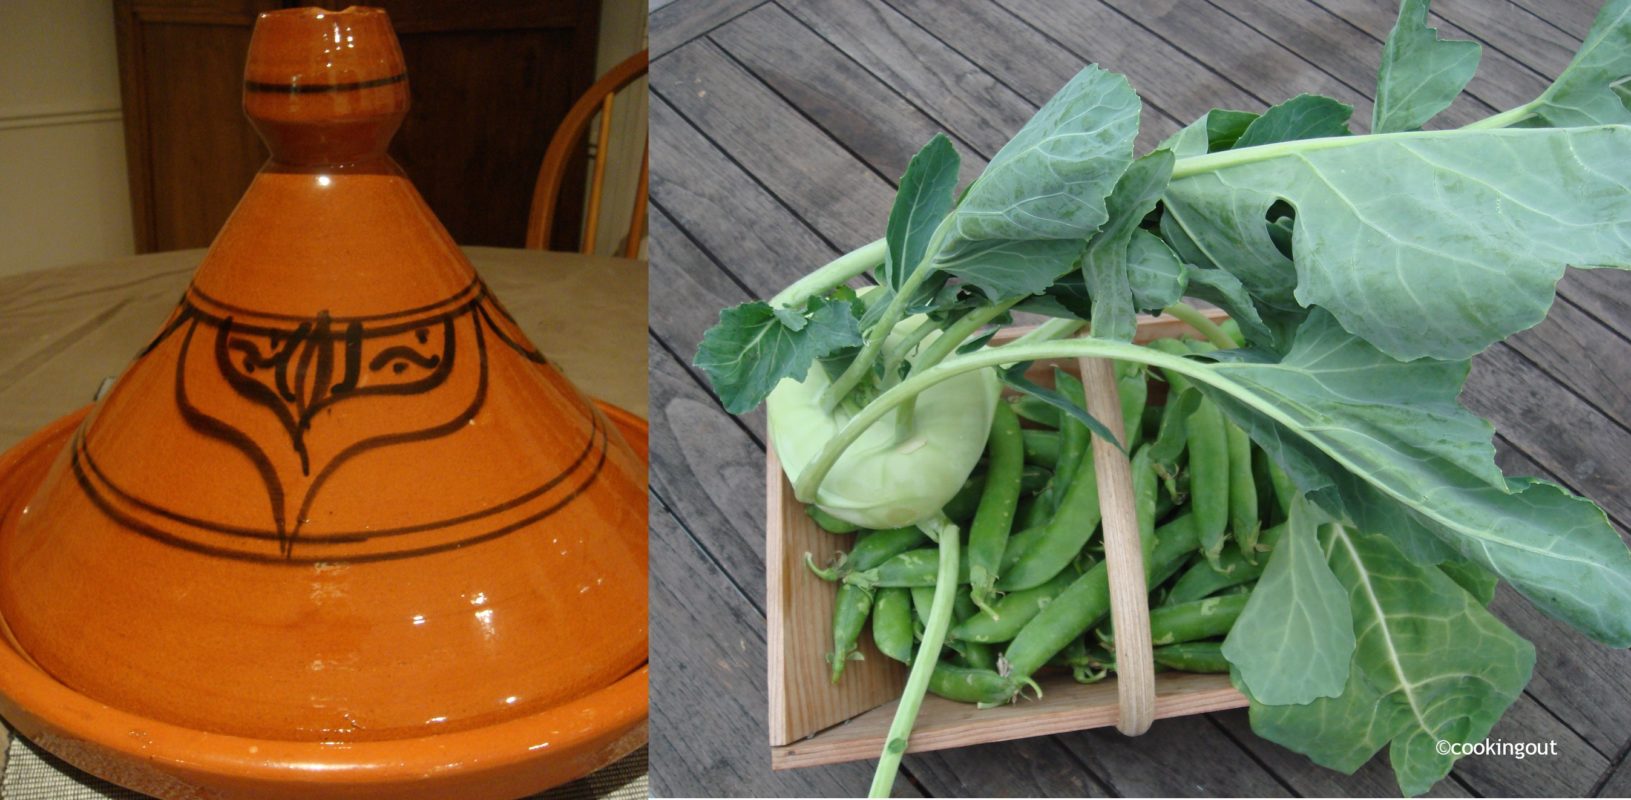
[509, 759]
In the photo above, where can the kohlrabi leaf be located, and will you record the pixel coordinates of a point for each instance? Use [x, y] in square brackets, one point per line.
[1225, 291]
[921, 202]
[1014, 377]
[1158, 279]
[1430, 664]
[1306, 116]
[1224, 128]
[1385, 444]
[1295, 639]
[1105, 265]
[1591, 90]
[1028, 217]
[1420, 74]
[1433, 243]
[1479, 582]
[755, 346]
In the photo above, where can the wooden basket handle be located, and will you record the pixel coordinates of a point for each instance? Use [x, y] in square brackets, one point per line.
[1123, 554]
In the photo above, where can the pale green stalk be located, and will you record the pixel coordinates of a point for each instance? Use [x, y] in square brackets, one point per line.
[898, 353]
[834, 273]
[1192, 316]
[1212, 162]
[928, 654]
[861, 367]
[959, 332]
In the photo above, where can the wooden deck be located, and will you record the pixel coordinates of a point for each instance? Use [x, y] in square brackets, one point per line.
[778, 130]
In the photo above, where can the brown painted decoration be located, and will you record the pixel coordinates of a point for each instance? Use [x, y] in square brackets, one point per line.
[340, 528]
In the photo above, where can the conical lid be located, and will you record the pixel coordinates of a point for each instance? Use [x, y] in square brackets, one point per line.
[339, 497]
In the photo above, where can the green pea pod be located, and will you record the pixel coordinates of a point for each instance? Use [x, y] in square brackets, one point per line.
[1073, 445]
[1244, 521]
[850, 611]
[1202, 580]
[994, 520]
[1034, 409]
[1209, 477]
[892, 624]
[870, 550]
[1041, 447]
[1134, 389]
[1284, 490]
[1033, 477]
[970, 685]
[1087, 600]
[1168, 447]
[1072, 525]
[960, 508]
[922, 601]
[1199, 619]
[1146, 497]
[828, 522]
[1193, 657]
[1003, 620]
[913, 568]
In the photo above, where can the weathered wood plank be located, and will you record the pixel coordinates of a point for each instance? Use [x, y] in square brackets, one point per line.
[950, 88]
[1239, 53]
[1308, 779]
[1573, 16]
[1603, 293]
[1500, 82]
[1514, 31]
[852, 105]
[740, 223]
[1618, 782]
[839, 196]
[1005, 769]
[1570, 773]
[1162, 762]
[680, 21]
[1578, 351]
[1556, 428]
[700, 462]
[707, 700]
[1178, 83]
[692, 290]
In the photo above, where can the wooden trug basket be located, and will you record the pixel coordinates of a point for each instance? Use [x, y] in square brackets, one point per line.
[814, 722]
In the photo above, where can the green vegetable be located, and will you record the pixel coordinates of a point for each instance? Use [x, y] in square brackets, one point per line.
[1362, 272]
[892, 623]
[1193, 657]
[1203, 580]
[1070, 528]
[995, 519]
[830, 523]
[1197, 619]
[1003, 620]
[849, 615]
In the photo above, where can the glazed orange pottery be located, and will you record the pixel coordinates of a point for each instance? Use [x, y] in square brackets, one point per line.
[340, 530]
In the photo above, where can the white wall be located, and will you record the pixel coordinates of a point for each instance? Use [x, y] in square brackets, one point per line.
[63, 191]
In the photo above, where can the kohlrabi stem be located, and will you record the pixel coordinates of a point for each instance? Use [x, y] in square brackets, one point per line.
[1051, 330]
[834, 273]
[1506, 118]
[1192, 316]
[861, 367]
[959, 333]
[928, 654]
[1212, 162]
[898, 353]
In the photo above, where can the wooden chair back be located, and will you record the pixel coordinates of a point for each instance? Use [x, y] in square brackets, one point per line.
[599, 98]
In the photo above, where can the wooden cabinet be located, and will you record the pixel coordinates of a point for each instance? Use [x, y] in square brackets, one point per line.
[489, 81]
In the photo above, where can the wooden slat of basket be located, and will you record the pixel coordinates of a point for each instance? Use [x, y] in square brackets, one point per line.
[799, 610]
[1065, 706]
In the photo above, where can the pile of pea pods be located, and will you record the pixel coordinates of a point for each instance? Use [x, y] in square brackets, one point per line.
[1033, 589]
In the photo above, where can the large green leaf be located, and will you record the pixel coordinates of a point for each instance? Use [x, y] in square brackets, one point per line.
[1430, 664]
[755, 346]
[1589, 92]
[1420, 74]
[1158, 279]
[1028, 217]
[1385, 444]
[1426, 244]
[921, 202]
[1306, 116]
[1293, 642]
[1105, 264]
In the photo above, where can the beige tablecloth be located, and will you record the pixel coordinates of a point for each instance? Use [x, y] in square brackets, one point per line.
[62, 331]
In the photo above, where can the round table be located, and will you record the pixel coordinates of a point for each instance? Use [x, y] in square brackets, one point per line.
[64, 331]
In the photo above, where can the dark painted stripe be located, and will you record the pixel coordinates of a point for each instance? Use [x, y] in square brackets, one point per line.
[321, 88]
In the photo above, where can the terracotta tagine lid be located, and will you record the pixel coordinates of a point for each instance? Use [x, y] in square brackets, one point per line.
[340, 529]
